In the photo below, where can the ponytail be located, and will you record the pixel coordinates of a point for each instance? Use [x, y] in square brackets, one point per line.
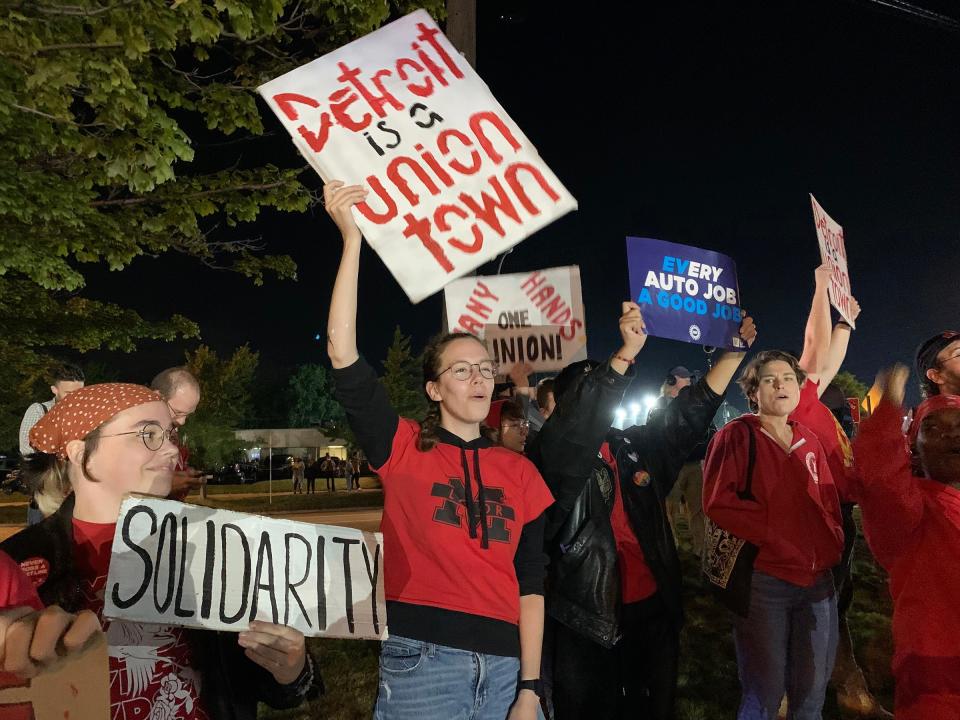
[427, 439]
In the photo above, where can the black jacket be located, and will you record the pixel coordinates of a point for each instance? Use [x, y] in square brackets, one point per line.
[232, 684]
[583, 581]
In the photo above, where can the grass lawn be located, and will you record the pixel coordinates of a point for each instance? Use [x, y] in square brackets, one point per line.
[222, 496]
[263, 486]
[708, 686]
[288, 503]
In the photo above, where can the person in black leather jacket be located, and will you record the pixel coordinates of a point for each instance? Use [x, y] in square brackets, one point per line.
[613, 599]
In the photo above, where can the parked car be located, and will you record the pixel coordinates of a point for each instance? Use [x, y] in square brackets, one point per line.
[282, 468]
[234, 474]
[10, 481]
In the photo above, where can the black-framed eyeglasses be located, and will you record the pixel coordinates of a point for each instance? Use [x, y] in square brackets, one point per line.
[463, 370]
[152, 434]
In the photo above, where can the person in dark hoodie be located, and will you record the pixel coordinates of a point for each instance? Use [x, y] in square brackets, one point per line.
[111, 440]
[462, 523]
[613, 601]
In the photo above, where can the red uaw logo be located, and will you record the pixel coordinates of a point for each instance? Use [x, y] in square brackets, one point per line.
[811, 461]
[37, 569]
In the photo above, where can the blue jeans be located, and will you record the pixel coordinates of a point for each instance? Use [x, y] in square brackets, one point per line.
[425, 681]
[787, 643]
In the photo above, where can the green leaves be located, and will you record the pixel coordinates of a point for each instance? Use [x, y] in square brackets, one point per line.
[107, 109]
[311, 398]
[226, 402]
[403, 378]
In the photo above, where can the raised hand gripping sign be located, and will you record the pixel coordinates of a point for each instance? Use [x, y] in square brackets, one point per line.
[686, 293]
[180, 564]
[453, 180]
[832, 249]
[535, 318]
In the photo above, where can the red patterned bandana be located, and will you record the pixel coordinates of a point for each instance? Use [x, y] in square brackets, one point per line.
[83, 411]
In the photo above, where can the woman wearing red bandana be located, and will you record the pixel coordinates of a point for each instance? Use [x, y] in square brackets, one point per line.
[111, 440]
[912, 523]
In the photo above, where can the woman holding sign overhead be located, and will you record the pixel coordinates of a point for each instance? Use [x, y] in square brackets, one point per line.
[112, 440]
[462, 523]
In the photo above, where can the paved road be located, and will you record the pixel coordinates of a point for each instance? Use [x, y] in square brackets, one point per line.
[361, 518]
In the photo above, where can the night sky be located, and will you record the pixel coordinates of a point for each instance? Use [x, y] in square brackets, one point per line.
[703, 123]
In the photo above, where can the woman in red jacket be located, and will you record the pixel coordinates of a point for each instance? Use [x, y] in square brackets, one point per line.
[782, 500]
[462, 523]
[912, 524]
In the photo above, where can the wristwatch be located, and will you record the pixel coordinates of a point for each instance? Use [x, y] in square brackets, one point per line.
[536, 685]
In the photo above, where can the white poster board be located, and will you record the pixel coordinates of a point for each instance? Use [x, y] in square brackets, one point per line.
[192, 566]
[830, 237]
[453, 180]
[533, 317]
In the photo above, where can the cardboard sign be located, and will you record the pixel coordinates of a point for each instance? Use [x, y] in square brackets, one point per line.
[854, 405]
[830, 237]
[686, 293]
[533, 317]
[180, 564]
[453, 181]
[77, 689]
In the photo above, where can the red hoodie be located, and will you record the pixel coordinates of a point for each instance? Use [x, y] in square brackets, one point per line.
[795, 520]
[913, 528]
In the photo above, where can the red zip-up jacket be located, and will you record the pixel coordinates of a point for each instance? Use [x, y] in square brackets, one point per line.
[913, 528]
[795, 517]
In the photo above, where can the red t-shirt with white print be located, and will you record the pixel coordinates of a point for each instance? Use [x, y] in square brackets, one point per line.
[151, 676]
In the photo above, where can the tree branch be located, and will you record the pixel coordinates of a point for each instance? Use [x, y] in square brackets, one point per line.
[80, 46]
[188, 196]
[77, 10]
[48, 116]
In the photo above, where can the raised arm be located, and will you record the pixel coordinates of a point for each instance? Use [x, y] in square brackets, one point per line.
[373, 420]
[669, 438]
[725, 367]
[839, 340]
[891, 500]
[342, 320]
[816, 336]
[565, 449]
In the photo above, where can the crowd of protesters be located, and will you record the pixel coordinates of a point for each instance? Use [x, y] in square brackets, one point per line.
[544, 580]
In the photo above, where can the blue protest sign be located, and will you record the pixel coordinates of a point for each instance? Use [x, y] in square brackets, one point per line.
[685, 293]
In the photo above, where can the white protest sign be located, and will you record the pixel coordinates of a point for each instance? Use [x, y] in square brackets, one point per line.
[453, 181]
[830, 236]
[533, 317]
[180, 564]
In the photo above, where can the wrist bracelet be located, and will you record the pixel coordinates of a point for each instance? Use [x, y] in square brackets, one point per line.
[301, 686]
[623, 359]
[845, 324]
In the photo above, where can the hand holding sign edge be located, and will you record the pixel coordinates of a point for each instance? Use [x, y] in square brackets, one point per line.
[279, 649]
[32, 641]
[632, 330]
[339, 199]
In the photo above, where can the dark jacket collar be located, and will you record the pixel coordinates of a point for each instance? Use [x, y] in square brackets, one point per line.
[448, 438]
